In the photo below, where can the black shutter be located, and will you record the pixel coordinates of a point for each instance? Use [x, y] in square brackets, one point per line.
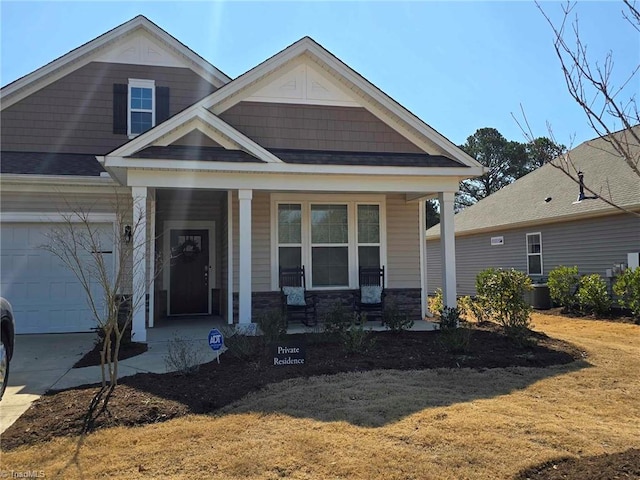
[162, 104]
[120, 100]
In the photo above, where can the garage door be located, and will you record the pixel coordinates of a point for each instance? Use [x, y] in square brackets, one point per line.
[45, 295]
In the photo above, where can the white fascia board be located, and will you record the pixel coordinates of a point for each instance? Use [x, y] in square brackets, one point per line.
[290, 182]
[77, 58]
[57, 217]
[282, 167]
[196, 124]
[27, 179]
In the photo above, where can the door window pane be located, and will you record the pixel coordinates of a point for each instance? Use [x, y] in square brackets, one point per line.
[330, 266]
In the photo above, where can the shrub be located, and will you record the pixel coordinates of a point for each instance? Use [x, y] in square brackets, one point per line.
[436, 302]
[183, 356]
[627, 287]
[563, 286]
[465, 306]
[593, 295]
[336, 320]
[501, 293]
[355, 338]
[454, 338]
[244, 347]
[273, 325]
[394, 319]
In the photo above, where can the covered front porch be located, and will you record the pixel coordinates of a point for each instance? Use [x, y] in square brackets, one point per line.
[239, 238]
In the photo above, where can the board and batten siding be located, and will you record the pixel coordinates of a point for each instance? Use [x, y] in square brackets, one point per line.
[75, 113]
[315, 127]
[594, 245]
[403, 243]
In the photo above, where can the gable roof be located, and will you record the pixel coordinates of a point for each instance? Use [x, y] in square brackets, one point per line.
[306, 49]
[40, 78]
[522, 203]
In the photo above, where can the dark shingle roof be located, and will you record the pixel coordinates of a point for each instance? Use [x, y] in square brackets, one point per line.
[203, 154]
[43, 163]
[307, 157]
[523, 201]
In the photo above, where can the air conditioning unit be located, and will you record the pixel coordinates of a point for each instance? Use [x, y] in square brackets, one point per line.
[633, 260]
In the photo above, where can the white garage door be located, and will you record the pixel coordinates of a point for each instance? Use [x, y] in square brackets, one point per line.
[45, 295]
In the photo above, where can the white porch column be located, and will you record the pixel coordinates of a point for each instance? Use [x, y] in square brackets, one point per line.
[422, 225]
[152, 258]
[244, 294]
[448, 248]
[139, 286]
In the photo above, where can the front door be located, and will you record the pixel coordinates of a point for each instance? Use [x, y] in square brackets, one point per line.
[189, 272]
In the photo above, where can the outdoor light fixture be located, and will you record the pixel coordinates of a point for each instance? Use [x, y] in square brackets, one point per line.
[127, 234]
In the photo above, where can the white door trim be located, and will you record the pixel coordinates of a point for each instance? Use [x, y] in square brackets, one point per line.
[166, 254]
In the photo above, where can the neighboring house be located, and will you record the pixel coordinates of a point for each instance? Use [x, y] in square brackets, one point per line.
[298, 161]
[538, 222]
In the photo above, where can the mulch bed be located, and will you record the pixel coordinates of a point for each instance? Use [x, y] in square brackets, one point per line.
[127, 350]
[618, 315]
[149, 398]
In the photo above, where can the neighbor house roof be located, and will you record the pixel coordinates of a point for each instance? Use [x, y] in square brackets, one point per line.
[40, 78]
[547, 195]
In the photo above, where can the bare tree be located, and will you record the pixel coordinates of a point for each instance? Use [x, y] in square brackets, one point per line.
[103, 262]
[610, 107]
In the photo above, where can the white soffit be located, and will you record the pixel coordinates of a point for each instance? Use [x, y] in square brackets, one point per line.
[141, 49]
[303, 85]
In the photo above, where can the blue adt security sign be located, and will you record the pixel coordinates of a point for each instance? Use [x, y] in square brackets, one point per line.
[216, 340]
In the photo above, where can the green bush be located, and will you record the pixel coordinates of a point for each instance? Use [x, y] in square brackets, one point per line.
[273, 325]
[501, 293]
[627, 287]
[394, 319]
[593, 295]
[355, 338]
[455, 339]
[336, 320]
[563, 286]
[436, 302]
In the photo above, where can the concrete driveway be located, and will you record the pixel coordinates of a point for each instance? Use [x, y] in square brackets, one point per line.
[37, 365]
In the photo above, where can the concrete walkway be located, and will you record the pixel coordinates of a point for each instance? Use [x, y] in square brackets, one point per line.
[44, 362]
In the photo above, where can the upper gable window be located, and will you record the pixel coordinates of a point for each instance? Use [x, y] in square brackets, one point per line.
[141, 114]
[139, 106]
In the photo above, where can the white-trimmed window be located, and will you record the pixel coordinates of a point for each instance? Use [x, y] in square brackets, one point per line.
[141, 106]
[329, 236]
[534, 253]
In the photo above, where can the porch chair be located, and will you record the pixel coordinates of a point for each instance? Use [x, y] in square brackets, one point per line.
[369, 298]
[297, 302]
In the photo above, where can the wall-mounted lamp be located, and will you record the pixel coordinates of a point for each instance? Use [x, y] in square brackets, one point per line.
[126, 235]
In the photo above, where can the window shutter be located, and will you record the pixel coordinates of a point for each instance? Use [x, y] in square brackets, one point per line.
[120, 99]
[162, 104]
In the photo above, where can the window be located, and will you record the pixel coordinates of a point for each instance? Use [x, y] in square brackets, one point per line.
[328, 235]
[534, 253]
[141, 106]
[138, 106]
[290, 235]
[329, 246]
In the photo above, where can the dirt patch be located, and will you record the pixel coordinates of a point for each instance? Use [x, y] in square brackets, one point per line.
[600, 467]
[127, 350]
[149, 398]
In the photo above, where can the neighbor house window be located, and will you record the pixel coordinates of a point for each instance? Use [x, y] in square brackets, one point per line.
[329, 236]
[141, 106]
[534, 253]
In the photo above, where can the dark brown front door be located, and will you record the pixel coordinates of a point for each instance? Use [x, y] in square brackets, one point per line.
[189, 272]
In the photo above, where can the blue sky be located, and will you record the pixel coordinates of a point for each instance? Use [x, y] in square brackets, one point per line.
[459, 66]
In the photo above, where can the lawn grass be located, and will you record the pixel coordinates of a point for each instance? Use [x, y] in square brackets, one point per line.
[433, 424]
